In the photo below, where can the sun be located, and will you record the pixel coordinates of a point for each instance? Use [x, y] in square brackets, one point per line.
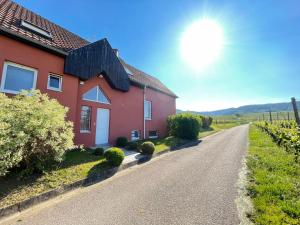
[202, 43]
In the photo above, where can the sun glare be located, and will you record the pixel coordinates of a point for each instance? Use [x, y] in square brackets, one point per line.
[202, 43]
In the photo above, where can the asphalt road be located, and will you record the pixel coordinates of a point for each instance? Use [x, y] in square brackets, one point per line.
[194, 185]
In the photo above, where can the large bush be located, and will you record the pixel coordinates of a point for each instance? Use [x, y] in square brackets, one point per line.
[114, 156]
[33, 131]
[147, 148]
[184, 125]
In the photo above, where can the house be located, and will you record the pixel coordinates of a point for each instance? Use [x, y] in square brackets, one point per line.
[107, 97]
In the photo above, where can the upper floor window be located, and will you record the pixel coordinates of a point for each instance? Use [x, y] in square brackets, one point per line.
[147, 110]
[54, 82]
[16, 78]
[96, 95]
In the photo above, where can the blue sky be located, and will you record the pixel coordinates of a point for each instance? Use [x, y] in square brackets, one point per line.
[260, 62]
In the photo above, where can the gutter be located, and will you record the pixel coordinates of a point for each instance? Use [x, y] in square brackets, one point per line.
[32, 42]
[144, 120]
[141, 85]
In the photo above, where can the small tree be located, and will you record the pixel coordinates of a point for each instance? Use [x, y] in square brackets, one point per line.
[33, 131]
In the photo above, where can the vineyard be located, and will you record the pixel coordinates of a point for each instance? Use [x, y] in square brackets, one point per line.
[285, 134]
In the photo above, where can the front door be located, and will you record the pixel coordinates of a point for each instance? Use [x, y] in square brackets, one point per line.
[102, 126]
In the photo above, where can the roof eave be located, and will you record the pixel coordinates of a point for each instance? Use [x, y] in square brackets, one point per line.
[141, 85]
[32, 42]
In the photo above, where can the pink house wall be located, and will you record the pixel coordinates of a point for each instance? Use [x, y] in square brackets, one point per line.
[126, 108]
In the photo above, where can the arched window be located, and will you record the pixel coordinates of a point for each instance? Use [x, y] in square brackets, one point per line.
[96, 95]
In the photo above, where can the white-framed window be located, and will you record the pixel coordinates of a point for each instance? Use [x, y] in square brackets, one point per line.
[54, 82]
[135, 135]
[153, 134]
[85, 119]
[16, 78]
[148, 110]
[96, 95]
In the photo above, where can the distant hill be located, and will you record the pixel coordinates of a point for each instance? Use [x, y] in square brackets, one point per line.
[274, 107]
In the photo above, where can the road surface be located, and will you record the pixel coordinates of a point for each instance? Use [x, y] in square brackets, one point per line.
[194, 185]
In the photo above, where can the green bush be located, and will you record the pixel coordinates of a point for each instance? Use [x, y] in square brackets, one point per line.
[121, 141]
[114, 156]
[184, 125]
[206, 121]
[132, 145]
[33, 132]
[98, 151]
[147, 148]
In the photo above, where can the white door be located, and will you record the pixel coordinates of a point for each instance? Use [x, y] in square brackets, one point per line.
[102, 126]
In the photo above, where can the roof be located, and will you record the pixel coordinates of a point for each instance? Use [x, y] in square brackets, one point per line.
[64, 41]
[11, 15]
[95, 59]
[139, 77]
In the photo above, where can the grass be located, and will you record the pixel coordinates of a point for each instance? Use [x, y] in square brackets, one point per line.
[274, 181]
[216, 128]
[77, 165]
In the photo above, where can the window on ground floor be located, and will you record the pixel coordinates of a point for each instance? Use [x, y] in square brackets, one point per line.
[147, 110]
[135, 135]
[153, 134]
[16, 78]
[85, 119]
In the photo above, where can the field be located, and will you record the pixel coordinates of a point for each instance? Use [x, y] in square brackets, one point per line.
[251, 117]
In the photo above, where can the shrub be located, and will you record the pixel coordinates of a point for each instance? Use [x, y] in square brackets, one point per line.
[33, 132]
[121, 141]
[114, 156]
[98, 151]
[184, 125]
[132, 145]
[147, 148]
[206, 121]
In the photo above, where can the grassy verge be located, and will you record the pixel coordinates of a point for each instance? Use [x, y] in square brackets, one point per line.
[215, 128]
[274, 181]
[77, 165]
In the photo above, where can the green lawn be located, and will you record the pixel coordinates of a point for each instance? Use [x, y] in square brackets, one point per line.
[77, 165]
[274, 181]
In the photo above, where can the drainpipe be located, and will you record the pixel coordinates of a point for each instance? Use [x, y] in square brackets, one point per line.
[145, 87]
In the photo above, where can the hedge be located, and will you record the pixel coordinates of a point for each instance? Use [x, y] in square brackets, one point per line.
[185, 125]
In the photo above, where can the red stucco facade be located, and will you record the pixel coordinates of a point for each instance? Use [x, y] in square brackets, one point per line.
[126, 108]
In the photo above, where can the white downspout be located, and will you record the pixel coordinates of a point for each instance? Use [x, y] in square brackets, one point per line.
[145, 87]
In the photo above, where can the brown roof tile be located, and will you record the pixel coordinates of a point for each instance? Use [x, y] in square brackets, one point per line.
[11, 15]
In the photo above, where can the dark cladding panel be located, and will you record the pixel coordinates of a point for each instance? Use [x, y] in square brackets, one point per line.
[95, 59]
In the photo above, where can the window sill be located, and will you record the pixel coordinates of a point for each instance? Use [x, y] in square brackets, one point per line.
[148, 118]
[10, 91]
[54, 89]
[153, 137]
[85, 132]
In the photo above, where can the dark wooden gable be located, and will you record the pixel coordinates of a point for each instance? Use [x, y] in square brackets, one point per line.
[95, 59]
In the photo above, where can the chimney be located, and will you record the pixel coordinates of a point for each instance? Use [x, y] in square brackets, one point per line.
[116, 52]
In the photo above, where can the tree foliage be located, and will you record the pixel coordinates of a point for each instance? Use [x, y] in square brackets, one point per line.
[33, 131]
